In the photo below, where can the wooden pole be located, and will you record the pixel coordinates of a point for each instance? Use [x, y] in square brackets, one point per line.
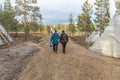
[1, 34]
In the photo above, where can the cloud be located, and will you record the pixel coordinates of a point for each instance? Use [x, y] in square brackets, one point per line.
[57, 11]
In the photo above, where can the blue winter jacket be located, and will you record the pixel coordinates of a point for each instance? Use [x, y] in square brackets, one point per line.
[55, 38]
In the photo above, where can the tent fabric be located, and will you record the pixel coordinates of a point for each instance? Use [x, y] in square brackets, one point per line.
[9, 38]
[94, 36]
[109, 42]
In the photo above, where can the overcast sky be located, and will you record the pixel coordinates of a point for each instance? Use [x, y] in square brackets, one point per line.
[57, 11]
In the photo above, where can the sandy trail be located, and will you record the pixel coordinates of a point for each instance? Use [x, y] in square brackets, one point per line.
[77, 64]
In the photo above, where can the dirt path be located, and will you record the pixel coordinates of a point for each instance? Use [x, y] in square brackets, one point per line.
[77, 64]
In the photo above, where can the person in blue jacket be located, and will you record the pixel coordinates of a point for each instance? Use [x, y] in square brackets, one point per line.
[55, 40]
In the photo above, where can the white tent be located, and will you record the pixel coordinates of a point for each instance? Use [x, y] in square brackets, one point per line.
[109, 42]
[4, 35]
[94, 36]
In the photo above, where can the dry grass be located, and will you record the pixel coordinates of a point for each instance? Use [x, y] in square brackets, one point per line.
[81, 41]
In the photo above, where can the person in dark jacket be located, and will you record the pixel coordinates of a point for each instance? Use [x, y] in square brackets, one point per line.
[55, 41]
[63, 40]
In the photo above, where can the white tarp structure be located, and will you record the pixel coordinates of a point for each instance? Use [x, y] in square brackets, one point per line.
[6, 35]
[94, 36]
[109, 42]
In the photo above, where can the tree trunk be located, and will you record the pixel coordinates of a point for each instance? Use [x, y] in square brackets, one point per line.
[25, 25]
[101, 21]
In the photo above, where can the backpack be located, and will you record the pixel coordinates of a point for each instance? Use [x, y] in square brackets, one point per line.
[64, 38]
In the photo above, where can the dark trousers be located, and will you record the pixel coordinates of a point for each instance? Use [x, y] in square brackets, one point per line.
[64, 46]
[55, 47]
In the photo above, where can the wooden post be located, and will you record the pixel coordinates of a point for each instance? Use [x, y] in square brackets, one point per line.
[1, 34]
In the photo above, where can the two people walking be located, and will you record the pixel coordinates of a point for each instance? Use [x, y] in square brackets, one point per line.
[55, 38]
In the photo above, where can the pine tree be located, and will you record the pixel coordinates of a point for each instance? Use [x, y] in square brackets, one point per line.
[80, 22]
[36, 19]
[102, 14]
[84, 20]
[36, 15]
[24, 8]
[71, 27]
[1, 11]
[7, 5]
[7, 15]
[117, 3]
